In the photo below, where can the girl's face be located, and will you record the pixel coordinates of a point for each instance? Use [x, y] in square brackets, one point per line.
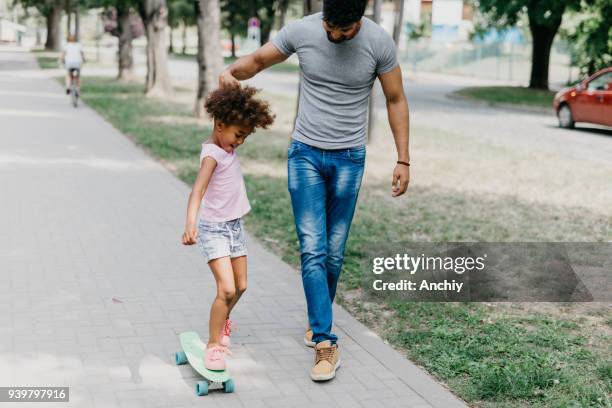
[229, 137]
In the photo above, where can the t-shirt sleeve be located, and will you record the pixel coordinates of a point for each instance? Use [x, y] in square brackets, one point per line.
[286, 39]
[387, 56]
[208, 150]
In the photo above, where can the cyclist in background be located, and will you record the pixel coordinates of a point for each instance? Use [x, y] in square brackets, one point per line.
[73, 58]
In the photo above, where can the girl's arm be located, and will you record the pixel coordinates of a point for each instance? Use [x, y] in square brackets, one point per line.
[195, 198]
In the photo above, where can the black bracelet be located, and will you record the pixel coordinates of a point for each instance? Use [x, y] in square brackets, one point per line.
[403, 162]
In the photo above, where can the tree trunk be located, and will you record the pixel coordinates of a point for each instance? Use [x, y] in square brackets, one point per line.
[399, 21]
[68, 19]
[232, 24]
[54, 18]
[312, 6]
[155, 17]
[266, 27]
[377, 9]
[210, 60]
[124, 54]
[184, 38]
[77, 23]
[284, 5]
[543, 36]
[38, 36]
[171, 45]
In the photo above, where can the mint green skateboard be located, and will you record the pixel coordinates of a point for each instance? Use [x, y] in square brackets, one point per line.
[193, 353]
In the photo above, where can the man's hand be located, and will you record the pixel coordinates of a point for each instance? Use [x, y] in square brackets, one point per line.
[190, 235]
[226, 79]
[401, 178]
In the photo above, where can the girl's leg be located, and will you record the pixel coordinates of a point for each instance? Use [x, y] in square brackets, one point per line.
[226, 291]
[239, 266]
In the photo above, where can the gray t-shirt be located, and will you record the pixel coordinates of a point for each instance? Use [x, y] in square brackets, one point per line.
[336, 79]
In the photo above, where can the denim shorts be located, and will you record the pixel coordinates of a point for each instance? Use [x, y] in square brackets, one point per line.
[220, 239]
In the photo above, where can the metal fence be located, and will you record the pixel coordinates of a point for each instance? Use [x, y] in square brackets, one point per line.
[501, 60]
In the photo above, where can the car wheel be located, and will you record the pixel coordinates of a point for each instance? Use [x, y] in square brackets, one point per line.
[566, 120]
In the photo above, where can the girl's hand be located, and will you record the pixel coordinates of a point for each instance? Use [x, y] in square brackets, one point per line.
[190, 235]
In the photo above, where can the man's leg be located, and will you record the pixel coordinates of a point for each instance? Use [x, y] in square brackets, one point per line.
[346, 172]
[307, 187]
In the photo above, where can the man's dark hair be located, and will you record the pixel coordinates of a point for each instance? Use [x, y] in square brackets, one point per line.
[341, 13]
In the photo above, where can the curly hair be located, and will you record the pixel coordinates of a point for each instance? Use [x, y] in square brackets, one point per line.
[236, 106]
[342, 13]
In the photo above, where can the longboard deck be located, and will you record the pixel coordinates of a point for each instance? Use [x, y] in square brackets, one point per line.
[194, 348]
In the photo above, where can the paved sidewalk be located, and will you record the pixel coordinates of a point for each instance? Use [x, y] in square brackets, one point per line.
[95, 285]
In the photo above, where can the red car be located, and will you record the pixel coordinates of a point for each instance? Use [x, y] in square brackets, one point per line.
[589, 101]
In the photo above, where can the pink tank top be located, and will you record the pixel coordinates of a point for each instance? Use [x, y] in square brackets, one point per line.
[225, 198]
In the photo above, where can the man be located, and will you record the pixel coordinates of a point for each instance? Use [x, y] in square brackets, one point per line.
[340, 53]
[73, 58]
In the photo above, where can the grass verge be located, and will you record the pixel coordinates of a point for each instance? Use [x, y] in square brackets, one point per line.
[491, 355]
[47, 59]
[513, 95]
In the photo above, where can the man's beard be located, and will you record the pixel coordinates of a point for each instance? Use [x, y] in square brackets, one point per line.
[338, 41]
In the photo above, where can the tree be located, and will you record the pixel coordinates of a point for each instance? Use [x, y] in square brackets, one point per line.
[283, 5]
[51, 10]
[178, 11]
[121, 21]
[154, 14]
[68, 19]
[398, 21]
[235, 19]
[181, 12]
[266, 16]
[592, 39]
[545, 17]
[312, 6]
[129, 26]
[210, 60]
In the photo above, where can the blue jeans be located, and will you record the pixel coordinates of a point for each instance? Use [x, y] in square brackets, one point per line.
[323, 185]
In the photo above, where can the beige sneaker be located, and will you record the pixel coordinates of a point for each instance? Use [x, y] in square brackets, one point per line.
[308, 338]
[327, 361]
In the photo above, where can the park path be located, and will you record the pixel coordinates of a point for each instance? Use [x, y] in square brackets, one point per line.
[95, 285]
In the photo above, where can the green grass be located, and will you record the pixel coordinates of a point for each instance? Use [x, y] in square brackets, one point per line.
[487, 355]
[47, 59]
[509, 95]
[531, 360]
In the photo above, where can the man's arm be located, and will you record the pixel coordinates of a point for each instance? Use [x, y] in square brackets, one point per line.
[397, 110]
[246, 67]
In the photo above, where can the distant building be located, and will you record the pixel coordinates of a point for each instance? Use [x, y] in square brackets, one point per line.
[450, 20]
[10, 30]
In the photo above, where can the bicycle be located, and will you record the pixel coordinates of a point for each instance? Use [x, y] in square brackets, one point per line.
[74, 90]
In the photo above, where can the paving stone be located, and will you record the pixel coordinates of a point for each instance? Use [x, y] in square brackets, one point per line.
[95, 285]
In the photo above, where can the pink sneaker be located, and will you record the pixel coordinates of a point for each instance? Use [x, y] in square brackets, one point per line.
[226, 331]
[214, 358]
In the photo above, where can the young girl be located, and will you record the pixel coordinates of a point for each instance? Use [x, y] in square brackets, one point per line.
[219, 188]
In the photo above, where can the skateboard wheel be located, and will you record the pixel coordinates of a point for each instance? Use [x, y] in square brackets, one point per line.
[202, 388]
[180, 357]
[229, 386]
